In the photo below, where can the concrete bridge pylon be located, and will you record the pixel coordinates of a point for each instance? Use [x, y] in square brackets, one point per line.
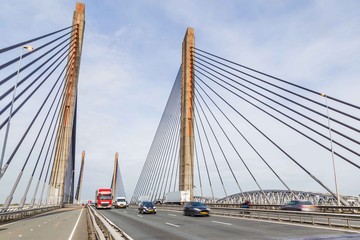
[186, 167]
[62, 175]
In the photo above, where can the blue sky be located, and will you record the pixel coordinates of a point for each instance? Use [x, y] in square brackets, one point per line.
[132, 51]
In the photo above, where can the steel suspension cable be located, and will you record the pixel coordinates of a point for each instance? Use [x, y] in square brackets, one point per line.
[175, 116]
[169, 150]
[205, 162]
[217, 141]
[294, 102]
[154, 155]
[9, 199]
[34, 91]
[293, 128]
[33, 40]
[32, 62]
[56, 113]
[272, 100]
[38, 135]
[177, 172]
[172, 158]
[231, 143]
[211, 151]
[163, 152]
[33, 51]
[46, 156]
[159, 152]
[281, 80]
[276, 145]
[31, 124]
[198, 168]
[32, 73]
[291, 118]
[143, 187]
[247, 141]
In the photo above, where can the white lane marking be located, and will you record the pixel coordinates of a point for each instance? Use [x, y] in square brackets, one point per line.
[39, 225]
[139, 216]
[174, 225]
[221, 223]
[172, 214]
[73, 231]
[20, 236]
[31, 229]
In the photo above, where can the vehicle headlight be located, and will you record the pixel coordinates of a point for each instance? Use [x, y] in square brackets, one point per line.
[197, 209]
[145, 208]
[208, 209]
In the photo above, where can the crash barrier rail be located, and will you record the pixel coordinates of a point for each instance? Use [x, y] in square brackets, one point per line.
[320, 208]
[334, 220]
[13, 214]
[104, 228]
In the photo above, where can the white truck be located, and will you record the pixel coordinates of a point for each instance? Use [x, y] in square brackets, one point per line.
[120, 202]
[144, 198]
[177, 197]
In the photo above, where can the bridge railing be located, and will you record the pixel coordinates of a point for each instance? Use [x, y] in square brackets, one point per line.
[272, 213]
[104, 228]
[13, 214]
[320, 208]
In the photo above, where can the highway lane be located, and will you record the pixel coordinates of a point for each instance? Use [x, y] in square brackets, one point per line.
[173, 225]
[65, 223]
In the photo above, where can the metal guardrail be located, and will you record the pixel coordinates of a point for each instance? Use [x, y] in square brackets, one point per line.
[104, 228]
[16, 213]
[334, 220]
[320, 208]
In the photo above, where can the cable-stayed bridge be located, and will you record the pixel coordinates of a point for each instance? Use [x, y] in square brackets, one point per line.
[229, 129]
[229, 133]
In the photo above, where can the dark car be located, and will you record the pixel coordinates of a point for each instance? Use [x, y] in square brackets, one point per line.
[245, 204]
[299, 205]
[147, 207]
[196, 209]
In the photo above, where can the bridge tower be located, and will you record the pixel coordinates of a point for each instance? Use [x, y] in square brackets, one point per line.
[186, 167]
[114, 178]
[79, 185]
[62, 175]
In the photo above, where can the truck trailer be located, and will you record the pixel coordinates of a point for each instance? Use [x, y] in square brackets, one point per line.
[178, 197]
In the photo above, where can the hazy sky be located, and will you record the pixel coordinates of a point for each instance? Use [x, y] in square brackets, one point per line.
[132, 51]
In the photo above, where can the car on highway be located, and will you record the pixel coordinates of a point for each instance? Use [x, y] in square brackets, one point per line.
[120, 202]
[147, 207]
[245, 204]
[196, 209]
[299, 205]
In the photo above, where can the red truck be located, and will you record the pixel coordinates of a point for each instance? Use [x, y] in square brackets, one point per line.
[103, 198]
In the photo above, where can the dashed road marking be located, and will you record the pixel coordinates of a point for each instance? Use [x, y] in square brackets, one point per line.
[174, 225]
[172, 214]
[139, 216]
[224, 223]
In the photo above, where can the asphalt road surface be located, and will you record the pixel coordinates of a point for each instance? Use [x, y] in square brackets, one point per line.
[62, 224]
[173, 225]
